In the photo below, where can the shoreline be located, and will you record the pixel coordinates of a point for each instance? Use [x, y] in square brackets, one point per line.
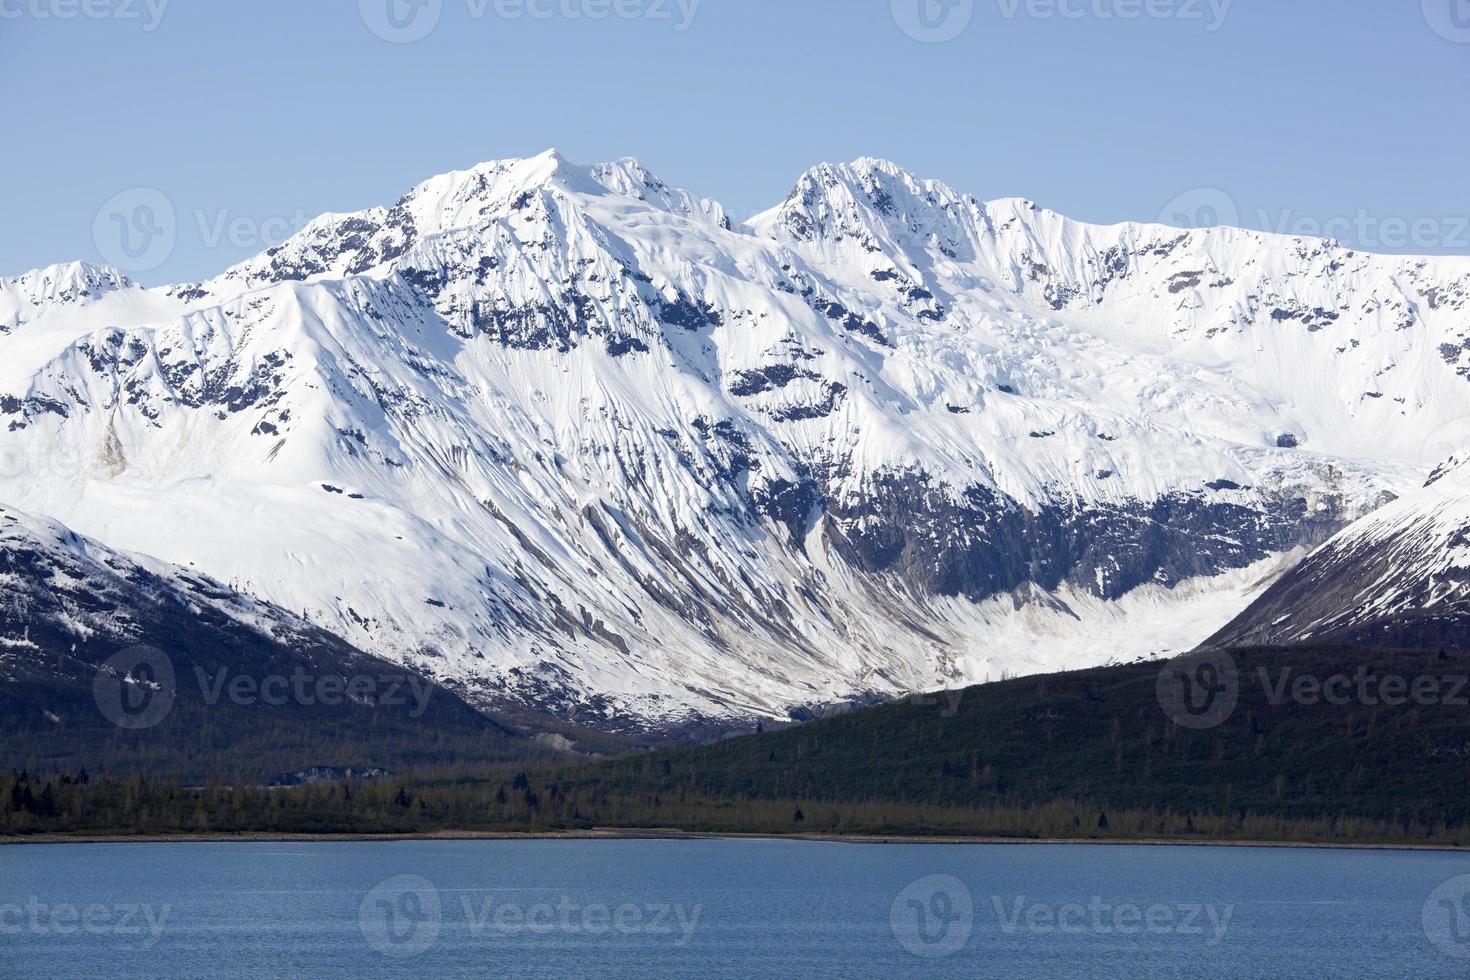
[617, 833]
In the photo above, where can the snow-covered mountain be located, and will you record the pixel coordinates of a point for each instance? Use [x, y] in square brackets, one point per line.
[1399, 577]
[119, 662]
[68, 602]
[564, 434]
[53, 288]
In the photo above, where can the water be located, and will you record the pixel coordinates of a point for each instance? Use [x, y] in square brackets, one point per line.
[712, 908]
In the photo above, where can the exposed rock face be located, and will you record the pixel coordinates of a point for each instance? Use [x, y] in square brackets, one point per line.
[71, 607]
[117, 663]
[1398, 578]
[55, 287]
[566, 435]
[986, 543]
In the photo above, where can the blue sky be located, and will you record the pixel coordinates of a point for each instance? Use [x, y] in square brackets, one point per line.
[246, 118]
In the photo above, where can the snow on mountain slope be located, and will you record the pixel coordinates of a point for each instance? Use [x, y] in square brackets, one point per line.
[121, 662]
[70, 597]
[55, 286]
[564, 434]
[1398, 577]
[1339, 349]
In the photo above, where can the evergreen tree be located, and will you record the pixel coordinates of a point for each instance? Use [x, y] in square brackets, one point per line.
[46, 805]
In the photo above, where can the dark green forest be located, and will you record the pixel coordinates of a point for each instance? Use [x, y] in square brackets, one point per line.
[1086, 754]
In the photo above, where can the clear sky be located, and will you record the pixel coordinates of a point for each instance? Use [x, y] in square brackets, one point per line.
[246, 118]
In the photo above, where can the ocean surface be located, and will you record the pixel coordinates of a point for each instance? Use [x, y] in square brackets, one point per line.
[727, 908]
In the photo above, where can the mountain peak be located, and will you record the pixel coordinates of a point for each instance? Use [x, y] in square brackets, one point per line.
[866, 200]
[62, 277]
[463, 203]
[878, 165]
[493, 182]
[597, 450]
[63, 283]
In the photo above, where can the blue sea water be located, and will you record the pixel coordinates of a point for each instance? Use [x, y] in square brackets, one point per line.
[727, 908]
